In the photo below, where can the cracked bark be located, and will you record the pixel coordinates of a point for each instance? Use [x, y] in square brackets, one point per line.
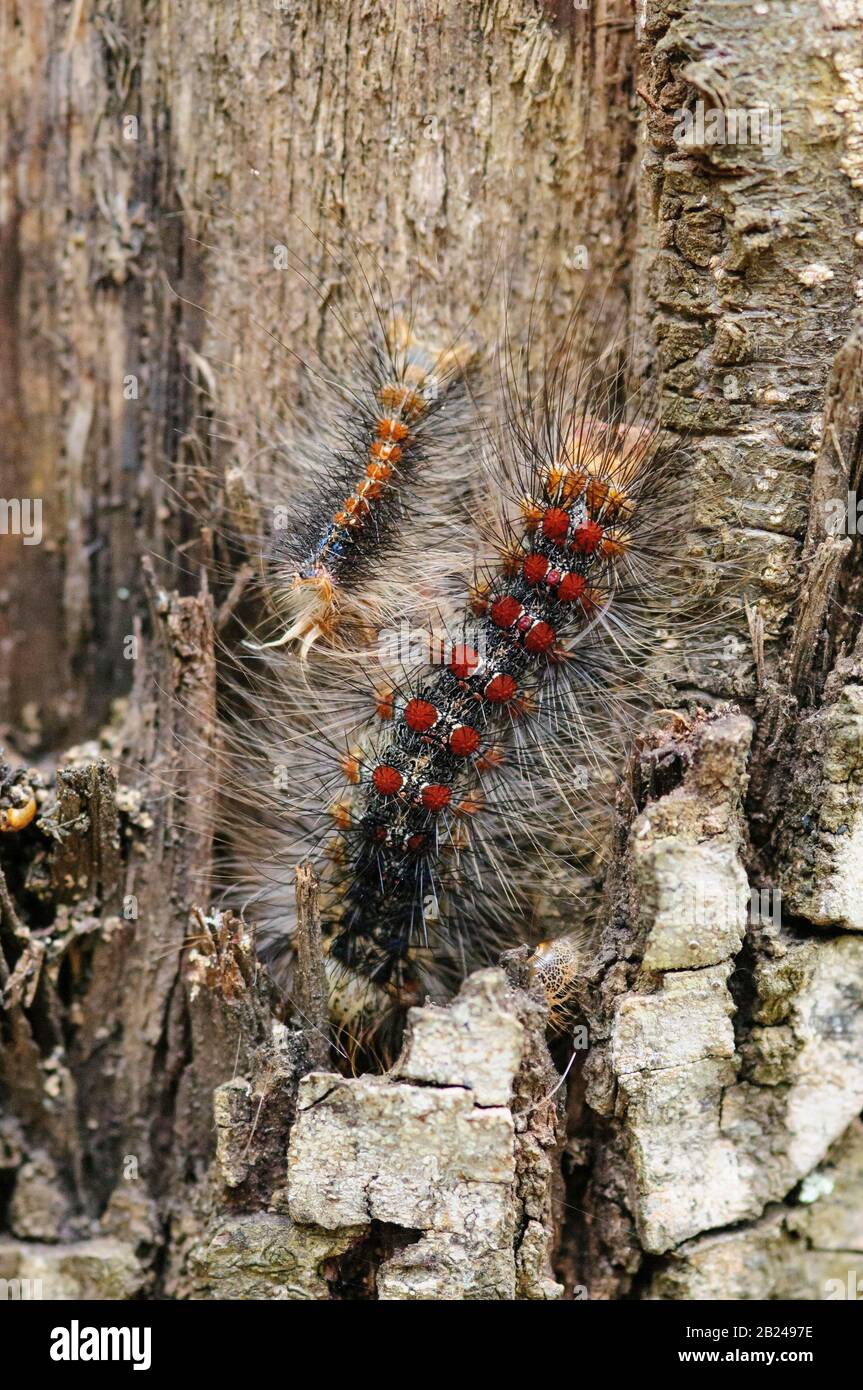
[725, 1060]
[150, 1094]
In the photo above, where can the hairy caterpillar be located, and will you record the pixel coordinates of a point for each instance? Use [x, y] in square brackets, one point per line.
[450, 802]
[444, 820]
[377, 431]
[422, 789]
[322, 560]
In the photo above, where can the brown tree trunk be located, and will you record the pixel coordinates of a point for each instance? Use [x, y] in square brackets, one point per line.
[161, 1132]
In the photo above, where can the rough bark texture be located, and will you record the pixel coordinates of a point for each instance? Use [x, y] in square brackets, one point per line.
[162, 1132]
[725, 1043]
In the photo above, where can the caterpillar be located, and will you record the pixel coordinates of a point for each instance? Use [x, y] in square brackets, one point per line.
[322, 560]
[422, 788]
[453, 800]
[438, 823]
[377, 430]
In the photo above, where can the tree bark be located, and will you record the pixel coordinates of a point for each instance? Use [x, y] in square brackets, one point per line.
[162, 1132]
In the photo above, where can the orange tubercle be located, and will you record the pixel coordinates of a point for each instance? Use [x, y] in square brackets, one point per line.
[554, 479]
[591, 602]
[478, 597]
[379, 471]
[355, 506]
[616, 503]
[384, 704]
[491, 758]
[350, 766]
[390, 453]
[573, 485]
[388, 428]
[395, 397]
[531, 513]
[613, 547]
[597, 491]
[511, 559]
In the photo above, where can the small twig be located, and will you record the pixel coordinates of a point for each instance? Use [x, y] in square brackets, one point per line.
[244, 574]
[19, 986]
[650, 102]
[817, 591]
[311, 980]
[755, 619]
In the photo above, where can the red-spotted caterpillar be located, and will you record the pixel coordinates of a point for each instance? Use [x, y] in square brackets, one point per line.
[452, 824]
[451, 811]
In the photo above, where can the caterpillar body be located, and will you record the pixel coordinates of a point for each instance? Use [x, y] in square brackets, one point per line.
[453, 806]
[321, 499]
[412, 828]
[320, 564]
[442, 822]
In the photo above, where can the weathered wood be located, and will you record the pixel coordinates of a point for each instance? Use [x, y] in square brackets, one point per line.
[150, 1089]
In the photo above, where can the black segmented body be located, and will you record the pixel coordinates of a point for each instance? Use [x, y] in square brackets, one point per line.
[395, 844]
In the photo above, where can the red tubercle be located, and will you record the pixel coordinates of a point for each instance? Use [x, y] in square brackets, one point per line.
[464, 740]
[416, 841]
[555, 524]
[435, 796]
[387, 780]
[420, 716]
[540, 639]
[500, 689]
[586, 537]
[534, 568]
[464, 662]
[571, 587]
[505, 611]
